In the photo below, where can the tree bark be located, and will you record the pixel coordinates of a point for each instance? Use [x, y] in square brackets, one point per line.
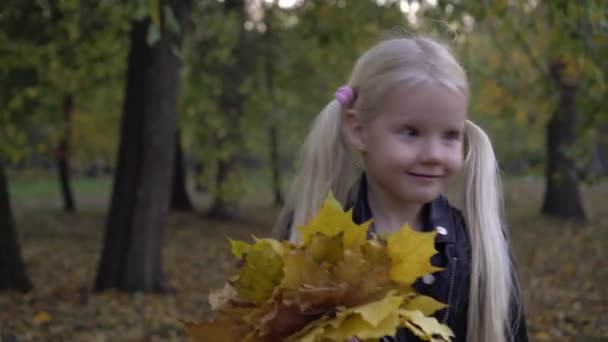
[276, 166]
[131, 259]
[63, 156]
[224, 206]
[562, 195]
[599, 161]
[13, 275]
[180, 200]
[273, 130]
[198, 176]
[225, 203]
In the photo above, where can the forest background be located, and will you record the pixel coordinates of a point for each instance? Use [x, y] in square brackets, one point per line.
[114, 112]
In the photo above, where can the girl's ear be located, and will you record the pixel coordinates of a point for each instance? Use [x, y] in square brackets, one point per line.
[353, 130]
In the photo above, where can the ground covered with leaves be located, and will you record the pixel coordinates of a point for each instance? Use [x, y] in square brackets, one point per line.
[562, 267]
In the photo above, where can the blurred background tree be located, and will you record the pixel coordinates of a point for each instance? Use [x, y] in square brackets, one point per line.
[247, 81]
[132, 255]
[542, 70]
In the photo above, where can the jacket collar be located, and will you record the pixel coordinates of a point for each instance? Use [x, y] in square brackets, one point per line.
[437, 213]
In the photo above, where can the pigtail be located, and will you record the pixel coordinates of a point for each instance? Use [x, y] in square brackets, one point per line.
[325, 164]
[491, 278]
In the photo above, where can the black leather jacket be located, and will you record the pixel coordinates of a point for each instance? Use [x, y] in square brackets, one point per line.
[450, 285]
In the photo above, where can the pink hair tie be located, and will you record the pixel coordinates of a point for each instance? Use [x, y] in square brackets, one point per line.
[345, 95]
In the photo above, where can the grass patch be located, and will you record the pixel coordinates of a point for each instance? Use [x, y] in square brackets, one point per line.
[27, 189]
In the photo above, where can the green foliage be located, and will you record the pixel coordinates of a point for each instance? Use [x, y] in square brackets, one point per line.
[310, 52]
[507, 47]
[54, 50]
[296, 59]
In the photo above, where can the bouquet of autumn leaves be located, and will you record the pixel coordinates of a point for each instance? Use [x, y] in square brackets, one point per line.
[334, 285]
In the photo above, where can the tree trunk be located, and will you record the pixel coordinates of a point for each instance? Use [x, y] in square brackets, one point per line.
[198, 176]
[273, 131]
[63, 156]
[230, 144]
[276, 166]
[180, 200]
[599, 161]
[562, 195]
[13, 275]
[132, 255]
[224, 205]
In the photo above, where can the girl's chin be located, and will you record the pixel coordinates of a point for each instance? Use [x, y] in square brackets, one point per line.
[417, 197]
[426, 199]
[423, 196]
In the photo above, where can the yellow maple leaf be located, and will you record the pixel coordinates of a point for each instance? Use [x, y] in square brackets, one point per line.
[239, 248]
[350, 267]
[371, 320]
[375, 312]
[427, 328]
[300, 269]
[410, 252]
[370, 260]
[355, 325]
[324, 248]
[277, 246]
[260, 274]
[425, 304]
[356, 235]
[331, 221]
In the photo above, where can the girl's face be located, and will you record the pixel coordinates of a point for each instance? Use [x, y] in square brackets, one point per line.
[414, 147]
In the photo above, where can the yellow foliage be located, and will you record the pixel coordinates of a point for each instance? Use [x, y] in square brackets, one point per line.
[407, 245]
[425, 304]
[427, 328]
[260, 274]
[335, 285]
[372, 320]
[332, 221]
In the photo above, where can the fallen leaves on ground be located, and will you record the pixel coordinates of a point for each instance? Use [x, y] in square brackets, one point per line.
[562, 271]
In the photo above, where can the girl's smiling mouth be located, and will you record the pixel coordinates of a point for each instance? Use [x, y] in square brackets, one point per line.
[422, 175]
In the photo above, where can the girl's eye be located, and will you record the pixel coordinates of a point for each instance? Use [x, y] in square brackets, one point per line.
[409, 131]
[452, 135]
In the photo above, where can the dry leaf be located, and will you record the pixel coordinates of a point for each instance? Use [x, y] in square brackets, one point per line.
[42, 317]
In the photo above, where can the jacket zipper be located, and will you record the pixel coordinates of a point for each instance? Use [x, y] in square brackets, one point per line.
[450, 290]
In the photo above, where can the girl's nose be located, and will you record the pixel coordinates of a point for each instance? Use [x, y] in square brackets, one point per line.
[432, 151]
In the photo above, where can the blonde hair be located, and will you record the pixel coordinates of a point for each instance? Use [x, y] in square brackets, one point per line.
[327, 163]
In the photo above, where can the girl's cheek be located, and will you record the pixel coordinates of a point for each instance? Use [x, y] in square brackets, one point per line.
[456, 160]
[458, 165]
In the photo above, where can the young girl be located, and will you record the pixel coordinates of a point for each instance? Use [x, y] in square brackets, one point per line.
[402, 119]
